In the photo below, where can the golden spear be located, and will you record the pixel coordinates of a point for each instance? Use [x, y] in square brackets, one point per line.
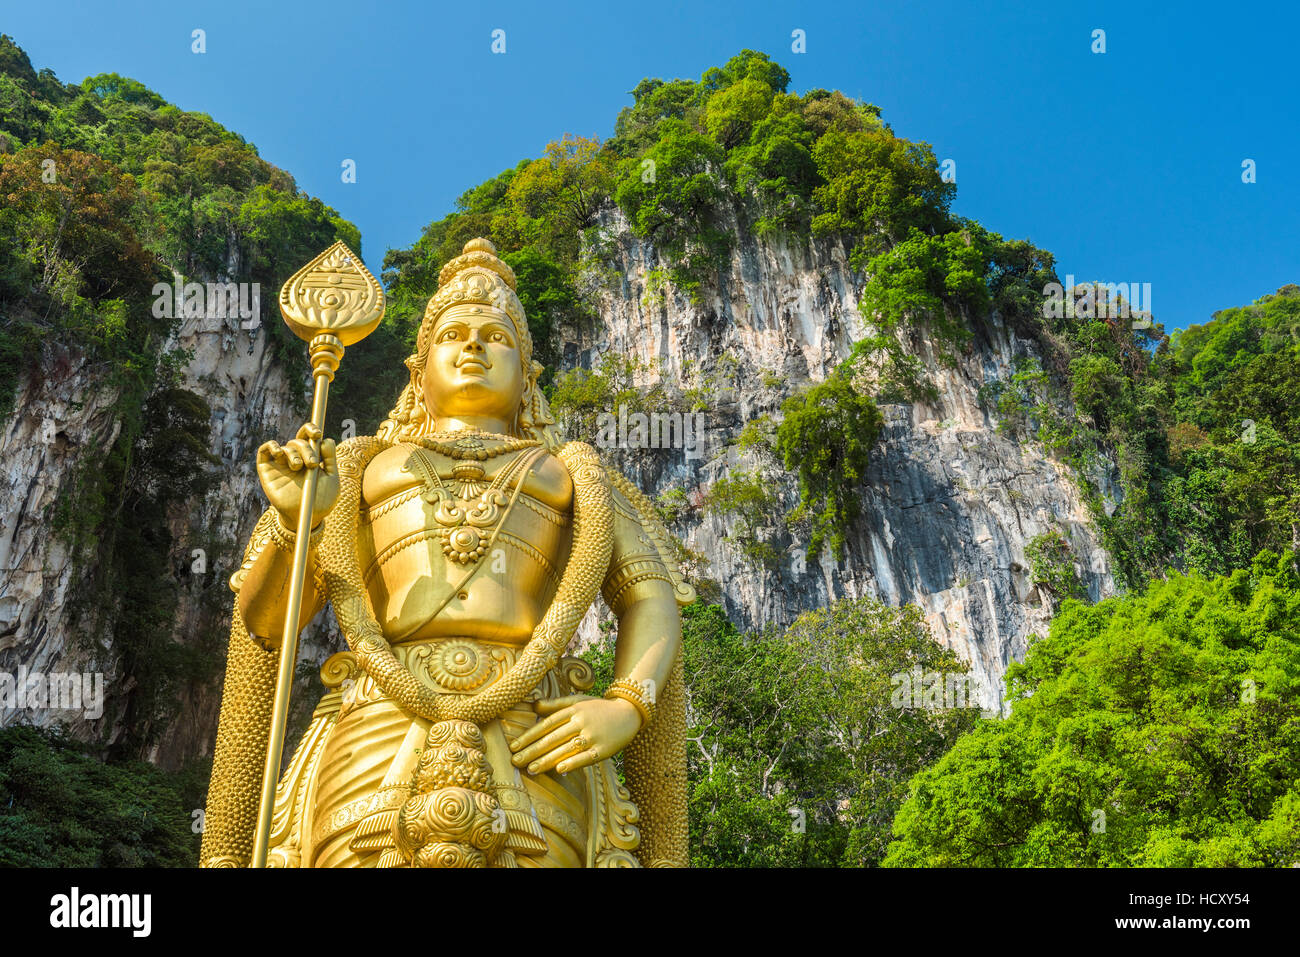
[331, 303]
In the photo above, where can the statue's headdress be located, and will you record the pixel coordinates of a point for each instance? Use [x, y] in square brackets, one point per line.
[475, 277]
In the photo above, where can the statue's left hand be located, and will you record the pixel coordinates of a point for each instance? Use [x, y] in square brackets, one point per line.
[579, 731]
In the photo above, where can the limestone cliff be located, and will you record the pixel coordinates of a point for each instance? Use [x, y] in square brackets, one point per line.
[63, 417]
[64, 421]
[949, 504]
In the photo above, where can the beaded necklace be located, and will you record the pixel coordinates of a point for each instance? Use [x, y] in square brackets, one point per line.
[469, 446]
[466, 514]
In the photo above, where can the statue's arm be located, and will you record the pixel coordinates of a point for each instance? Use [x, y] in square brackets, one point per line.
[640, 588]
[639, 591]
[262, 584]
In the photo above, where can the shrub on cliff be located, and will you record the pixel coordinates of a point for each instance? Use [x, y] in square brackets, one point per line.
[826, 437]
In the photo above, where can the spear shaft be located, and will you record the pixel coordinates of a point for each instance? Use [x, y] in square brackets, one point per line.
[326, 353]
[331, 303]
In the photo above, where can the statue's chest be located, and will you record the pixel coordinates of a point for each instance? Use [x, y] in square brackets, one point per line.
[406, 470]
[443, 513]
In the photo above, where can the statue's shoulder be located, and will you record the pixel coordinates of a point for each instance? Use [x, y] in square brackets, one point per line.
[360, 449]
[638, 527]
[356, 455]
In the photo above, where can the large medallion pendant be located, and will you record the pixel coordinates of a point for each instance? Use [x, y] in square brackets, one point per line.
[466, 531]
[463, 544]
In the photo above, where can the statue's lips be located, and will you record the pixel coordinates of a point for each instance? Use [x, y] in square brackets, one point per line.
[472, 366]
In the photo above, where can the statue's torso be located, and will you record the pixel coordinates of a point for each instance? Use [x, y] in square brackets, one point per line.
[408, 574]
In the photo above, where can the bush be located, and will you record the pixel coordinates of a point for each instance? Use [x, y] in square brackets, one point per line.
[1160, 729]
[61, 807]
[797, 757]
[826, 436]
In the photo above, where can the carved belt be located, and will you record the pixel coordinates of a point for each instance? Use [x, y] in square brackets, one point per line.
[459, 665]
[462, 665]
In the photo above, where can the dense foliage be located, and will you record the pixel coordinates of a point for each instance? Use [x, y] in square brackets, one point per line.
[1159, 729]
[1201, 427]
[62, 807]
[108, 187]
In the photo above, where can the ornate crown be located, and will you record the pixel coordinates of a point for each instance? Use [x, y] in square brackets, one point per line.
[477, 275]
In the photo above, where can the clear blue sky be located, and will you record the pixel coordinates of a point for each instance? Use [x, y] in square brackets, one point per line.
[1126, 165]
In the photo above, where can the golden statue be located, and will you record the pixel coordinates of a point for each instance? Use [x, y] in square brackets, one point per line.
[459, 548]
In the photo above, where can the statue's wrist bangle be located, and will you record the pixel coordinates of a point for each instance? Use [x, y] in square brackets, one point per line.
[639, 694]
[286, 538]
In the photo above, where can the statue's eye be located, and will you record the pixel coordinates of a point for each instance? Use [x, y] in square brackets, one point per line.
[447, 336]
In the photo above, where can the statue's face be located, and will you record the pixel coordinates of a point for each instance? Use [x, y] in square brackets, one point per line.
[474, 366]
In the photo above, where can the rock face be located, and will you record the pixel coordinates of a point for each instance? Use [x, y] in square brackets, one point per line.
[64, 420]
[949, 504]
[62, 416]
[253, 398]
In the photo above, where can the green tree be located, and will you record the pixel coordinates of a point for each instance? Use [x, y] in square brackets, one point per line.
[878, 187]
[732, 113]
[68, 214]
[554, 198]
[671, 194]
[1160, 729]
[1051, 566]
[797, 754]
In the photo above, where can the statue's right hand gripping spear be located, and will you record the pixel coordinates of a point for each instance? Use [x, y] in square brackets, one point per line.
[331, 303]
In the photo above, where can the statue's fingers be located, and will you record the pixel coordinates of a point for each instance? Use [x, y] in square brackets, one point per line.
[309, 433]
[538, 730]
[540, 747]
[551, 705]
[329, 457]
[266, 452]
[590, 756]
[572, 748]
[305, 452]
[294, 457]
